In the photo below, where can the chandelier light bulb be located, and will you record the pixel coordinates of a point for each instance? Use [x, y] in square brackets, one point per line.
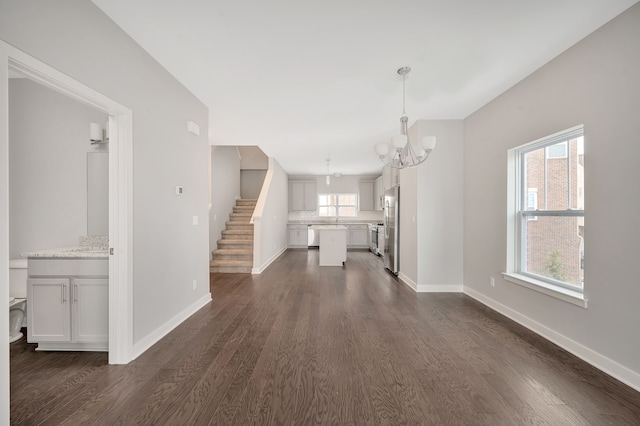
[399, 141]
[428, 143]
[382, 149]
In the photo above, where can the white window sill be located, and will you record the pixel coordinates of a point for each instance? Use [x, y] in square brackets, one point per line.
[564, 294]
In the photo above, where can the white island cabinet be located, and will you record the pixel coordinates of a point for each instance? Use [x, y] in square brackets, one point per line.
[68, 304]
[333, 245]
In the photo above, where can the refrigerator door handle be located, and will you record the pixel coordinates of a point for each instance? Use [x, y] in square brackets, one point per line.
[386, 218]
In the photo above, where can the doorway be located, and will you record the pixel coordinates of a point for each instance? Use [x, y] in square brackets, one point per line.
[120, 188]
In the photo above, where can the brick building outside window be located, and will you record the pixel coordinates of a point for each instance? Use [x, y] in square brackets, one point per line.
[552, 210]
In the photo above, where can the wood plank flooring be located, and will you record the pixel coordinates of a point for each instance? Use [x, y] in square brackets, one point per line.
[304, 345]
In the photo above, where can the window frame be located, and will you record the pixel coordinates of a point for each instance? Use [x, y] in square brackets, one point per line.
[338, 205]
[518, 215]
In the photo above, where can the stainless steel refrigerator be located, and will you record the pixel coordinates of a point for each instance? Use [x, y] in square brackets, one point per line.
[391, 229]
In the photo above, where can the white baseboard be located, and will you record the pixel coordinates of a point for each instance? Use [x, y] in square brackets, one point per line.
[599, 361]
[408, 281]
[429, 288]
[151, 339]
[264, 266]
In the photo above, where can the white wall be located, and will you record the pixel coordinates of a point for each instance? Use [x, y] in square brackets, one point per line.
[431, 208]
[408, 223]
[440, 208]
[48, 146]
[251, 183]
[252, 158]
[169, 252]
[594, 83]
[225, 188]
[271, 218]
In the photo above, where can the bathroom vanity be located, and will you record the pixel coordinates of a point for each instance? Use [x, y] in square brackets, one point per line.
[68, 300]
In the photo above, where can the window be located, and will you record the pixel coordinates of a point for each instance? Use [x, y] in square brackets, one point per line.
[546, 238]
[532, 201]
[337, 205]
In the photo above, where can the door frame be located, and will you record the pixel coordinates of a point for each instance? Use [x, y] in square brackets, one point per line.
[120, 190]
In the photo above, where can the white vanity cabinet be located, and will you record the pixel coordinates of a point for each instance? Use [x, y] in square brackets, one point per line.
[68, 304]
[49, 316]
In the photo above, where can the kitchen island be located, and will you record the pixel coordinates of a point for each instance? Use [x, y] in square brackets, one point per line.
[333, 244]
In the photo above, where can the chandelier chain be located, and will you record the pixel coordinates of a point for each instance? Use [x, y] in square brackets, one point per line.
[404, 76]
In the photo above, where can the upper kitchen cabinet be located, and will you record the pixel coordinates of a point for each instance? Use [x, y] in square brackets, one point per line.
[389, 177]
[303, 196]
[378, 194]
[366, 196]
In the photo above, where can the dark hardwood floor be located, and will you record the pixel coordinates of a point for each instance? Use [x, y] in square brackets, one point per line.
[300, 345]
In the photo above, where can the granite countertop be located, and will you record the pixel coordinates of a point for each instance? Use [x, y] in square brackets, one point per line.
[91, 246]
[69, 252]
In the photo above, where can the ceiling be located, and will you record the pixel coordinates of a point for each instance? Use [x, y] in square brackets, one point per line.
[309, 80]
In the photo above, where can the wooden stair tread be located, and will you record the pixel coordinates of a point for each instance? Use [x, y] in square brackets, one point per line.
[233, 251]
[235, 248]
[231, 262]
[235, 241]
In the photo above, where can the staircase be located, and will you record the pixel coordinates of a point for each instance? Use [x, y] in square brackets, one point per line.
[235, 249]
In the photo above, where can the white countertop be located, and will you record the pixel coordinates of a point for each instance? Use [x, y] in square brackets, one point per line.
[69, 252]
[329, 227]
[332, 222]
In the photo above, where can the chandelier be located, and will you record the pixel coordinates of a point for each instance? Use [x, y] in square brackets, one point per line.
[401, 153]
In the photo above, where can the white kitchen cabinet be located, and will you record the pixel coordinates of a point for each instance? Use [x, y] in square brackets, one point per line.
[389, 177]
[68, 304]
[298, 235]
[358, 236]
[378, 194]
[303, 196]
[365, 194]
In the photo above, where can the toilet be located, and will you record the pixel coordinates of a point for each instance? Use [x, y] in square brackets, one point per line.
[17, 297]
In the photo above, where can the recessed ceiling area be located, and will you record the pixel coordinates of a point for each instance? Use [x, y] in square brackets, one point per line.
[311, 80]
